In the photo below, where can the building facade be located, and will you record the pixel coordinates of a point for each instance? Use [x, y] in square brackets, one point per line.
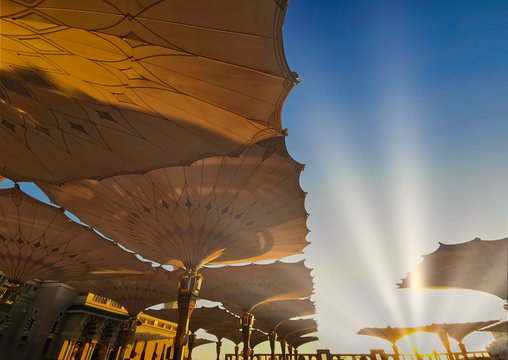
[50, 321]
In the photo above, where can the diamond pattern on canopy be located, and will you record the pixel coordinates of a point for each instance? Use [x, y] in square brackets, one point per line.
[271, 314]
[135, 293]
[93, 89]
[202, 317]
[474, 265]
[39, 241]
[219, 210]
[303, 340]
[393, 334]
[300, 327]
[242, 288]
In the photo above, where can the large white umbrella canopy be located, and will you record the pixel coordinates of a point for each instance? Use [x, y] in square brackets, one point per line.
[39, 241]
[219, 210]
[393, 334]
[226, 329]
[269, 315]
[477, 265]
[296, 328]
[92, 89]
[243, 288]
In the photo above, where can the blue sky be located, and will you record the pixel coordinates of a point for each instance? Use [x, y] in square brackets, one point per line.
[401, 118]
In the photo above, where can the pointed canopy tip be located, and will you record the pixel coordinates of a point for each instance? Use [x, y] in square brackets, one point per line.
[279, 145]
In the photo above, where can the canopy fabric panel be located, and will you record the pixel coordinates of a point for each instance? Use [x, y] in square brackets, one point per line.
[201, 317]
[235, 335]
[38, 240]
[299, 333]
[271, 314]
[256, 338]
[393, 334]
[92, 89]
[227, 329]
[242, 288]
[219, 210]
[302, 326]
[303, 340]
[135, 293]
[474, 265]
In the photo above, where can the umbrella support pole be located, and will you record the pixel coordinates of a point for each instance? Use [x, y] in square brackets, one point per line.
[272, 337]
[192, 340]
[188, 291]
[237, 349]
[218, 348]
[283, 344]
[396, 352]
[246, 321]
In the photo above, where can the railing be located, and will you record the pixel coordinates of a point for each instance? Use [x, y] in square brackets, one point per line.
[158, 323]
[371, 356]
[104, 303]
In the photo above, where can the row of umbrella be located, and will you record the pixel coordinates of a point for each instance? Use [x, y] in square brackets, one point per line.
[456, 331]
[158, 124]
[36, 244]
[478, 264]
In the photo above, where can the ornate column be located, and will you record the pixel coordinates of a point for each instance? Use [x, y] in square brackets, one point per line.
[188, 291]
[90, 350]
[132, 353]
[283, 344]
[296, 354]
[272, 338]
[143, 352]
[246, 321]
[290, 351]
[218, 348]
[154, 354]
[192, 340]
[395, 351]
[237, 349]
[107, 352]
[8, 295]
[163, 352]
[127, 335]
[67, 348]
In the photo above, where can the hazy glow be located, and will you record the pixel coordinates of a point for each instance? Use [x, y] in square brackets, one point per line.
[401, 120]
[399, 156]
